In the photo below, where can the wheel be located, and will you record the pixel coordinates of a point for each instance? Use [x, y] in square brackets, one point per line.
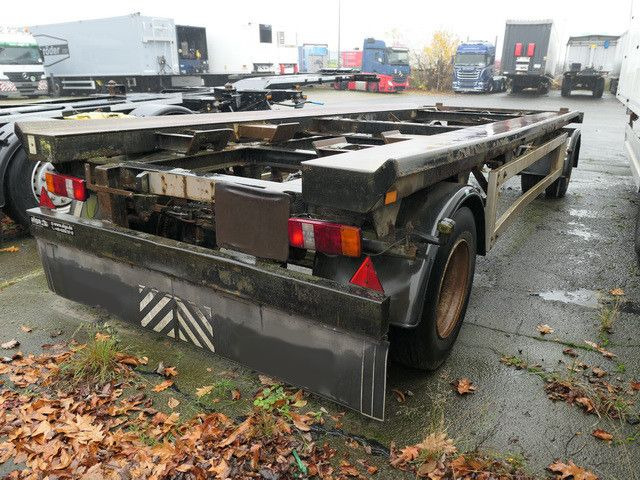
[446, 297]
[527, 181]
[558, 189]
[491, 87]
[159, 110]
[516, 88]
[565, 90]
[636, 239]
[544, 88]
[25, 180]
[599, 88]
[373, 87]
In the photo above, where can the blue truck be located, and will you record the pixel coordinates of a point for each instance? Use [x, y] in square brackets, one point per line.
[474, 68]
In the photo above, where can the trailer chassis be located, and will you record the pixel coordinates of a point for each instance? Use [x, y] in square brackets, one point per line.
[190, 240]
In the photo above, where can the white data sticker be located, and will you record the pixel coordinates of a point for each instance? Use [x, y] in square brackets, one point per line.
[32, 144]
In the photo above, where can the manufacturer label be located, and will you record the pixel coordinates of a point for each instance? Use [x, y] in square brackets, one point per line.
[41, 222]
[32, 144]
[62, 228]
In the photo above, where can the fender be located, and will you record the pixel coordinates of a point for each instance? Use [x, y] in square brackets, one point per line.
[404, 281]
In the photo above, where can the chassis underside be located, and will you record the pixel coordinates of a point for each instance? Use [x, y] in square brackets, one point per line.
[186, 231]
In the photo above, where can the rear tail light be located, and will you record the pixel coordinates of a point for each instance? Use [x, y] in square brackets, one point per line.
[531, 49]
[517, 51]
[66, 186]
[325, 237]
[45, 201]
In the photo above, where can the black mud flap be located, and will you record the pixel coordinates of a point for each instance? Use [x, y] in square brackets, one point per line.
[346, 367]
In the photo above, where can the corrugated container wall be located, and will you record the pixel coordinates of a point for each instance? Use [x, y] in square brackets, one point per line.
[540, 33]
[127, 45]
[629, 86]
[593, 51]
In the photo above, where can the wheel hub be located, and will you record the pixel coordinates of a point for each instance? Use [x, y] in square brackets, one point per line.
[453, 289]
[39, 181]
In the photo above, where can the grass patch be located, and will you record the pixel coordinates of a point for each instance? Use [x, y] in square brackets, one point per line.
[607, 316]
[95, 362]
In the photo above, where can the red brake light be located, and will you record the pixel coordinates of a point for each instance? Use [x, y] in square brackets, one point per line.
[531, 49]
[517, 51]
[45, 201]
[366, 276]
[66, 186]
[325, 237]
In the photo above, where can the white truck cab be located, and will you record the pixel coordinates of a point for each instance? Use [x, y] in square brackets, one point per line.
[21, 65]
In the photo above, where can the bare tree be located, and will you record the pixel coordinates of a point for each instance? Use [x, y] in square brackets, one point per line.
[432, 66]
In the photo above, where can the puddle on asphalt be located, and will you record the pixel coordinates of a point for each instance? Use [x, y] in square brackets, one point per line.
[583, 213]
[581, 231]
[582, 296]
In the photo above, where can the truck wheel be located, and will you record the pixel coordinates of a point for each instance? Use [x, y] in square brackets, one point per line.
[599, 88]
[636, 239]
[528, 181]
[565, 90]
[516, 88]
[446, 297]
[25, 180]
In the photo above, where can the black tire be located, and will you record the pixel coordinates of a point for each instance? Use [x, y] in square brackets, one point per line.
[599, 88]
[528, 181]
[428, 344]
[516, 88]
[19, 189]
[636, 239]
[158, 110]
[558, 189]
[565, 90]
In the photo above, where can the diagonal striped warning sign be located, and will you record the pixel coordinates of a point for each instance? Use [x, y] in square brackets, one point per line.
[174, 317]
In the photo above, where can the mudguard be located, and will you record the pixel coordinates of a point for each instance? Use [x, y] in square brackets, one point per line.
[543, 166]
[405, 281]
[9, 144]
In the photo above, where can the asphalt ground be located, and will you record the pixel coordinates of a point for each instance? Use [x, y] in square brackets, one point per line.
[555, 265]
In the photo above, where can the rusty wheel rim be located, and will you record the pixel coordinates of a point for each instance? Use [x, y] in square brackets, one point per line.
[453, 289]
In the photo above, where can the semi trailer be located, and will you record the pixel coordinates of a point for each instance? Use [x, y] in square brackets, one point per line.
[529, 55]
[629, 94]
[390, 65]
[474, 68]
[589, 60]
[21, 180]
[306, 244]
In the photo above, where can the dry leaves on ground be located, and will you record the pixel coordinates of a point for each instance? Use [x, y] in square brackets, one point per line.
[464, 386]
[544, 329]
[570, 471]
[162, 386]
[11, 249]
[603, 352]
[616, 292]
[25, 328]
[602, 435]
[13, 343]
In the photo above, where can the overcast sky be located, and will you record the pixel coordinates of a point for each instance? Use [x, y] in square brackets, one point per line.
[317, 21]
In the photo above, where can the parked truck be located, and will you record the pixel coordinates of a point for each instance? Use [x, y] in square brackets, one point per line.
[305, 244]
[629, 94]
[144, 54]
[313, 57]
[474, 68]
[389, 64]
[21, 65]
[589, 60]
[529, 55]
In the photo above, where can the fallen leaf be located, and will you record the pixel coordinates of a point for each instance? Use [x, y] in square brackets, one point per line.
[400, 396]
[163, 386]
[265, 380]
[602, 435]
[598, 372]
[102, 337]
[635, 385]
[300, 421]
[571, 471]
[617, 292]
[11, 249]
[202, 391]
[464, 386]
[586, 403]
[372, 469]
[235, 394]
[173, 403]
[603, 352]
[570, 351]
[544, 329]
[10, 344]
[25, 329]
[170, 372]
[55, 333]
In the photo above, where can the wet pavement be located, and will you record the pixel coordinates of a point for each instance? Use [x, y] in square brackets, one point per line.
[555, 265]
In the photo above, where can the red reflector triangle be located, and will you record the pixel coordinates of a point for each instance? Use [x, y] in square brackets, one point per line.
[45, 201]
[366, 276]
